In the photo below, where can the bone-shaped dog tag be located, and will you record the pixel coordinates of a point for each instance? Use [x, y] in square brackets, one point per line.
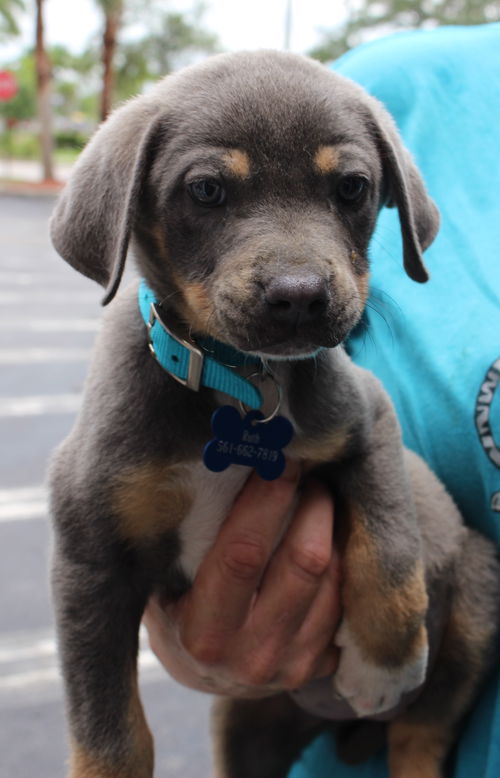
[248, 441]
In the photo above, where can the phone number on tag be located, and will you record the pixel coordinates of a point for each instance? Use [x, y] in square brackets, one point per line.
[247, 451]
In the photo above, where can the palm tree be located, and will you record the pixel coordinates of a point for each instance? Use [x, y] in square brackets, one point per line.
[8, 11]
[113, 11]
[44, 85]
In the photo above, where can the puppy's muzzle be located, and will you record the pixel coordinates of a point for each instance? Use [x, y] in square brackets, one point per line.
[291, 301]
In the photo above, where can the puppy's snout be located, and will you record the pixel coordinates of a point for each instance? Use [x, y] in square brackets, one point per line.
[296, 299]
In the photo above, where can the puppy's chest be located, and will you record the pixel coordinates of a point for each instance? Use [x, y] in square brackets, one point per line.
[193, 501]
[211, 498]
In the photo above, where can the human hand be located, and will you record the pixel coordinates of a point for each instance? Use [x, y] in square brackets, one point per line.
[259, 618]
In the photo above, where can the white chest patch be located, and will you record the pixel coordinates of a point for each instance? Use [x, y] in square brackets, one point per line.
[213, 495]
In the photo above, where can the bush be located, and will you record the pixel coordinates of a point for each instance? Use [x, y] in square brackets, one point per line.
[24, 144]
[70, 139]
[19, 145]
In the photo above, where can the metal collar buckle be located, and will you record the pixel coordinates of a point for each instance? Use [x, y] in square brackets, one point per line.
[195, 365]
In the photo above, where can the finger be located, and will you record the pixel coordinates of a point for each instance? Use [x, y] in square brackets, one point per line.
[326, 664]
[316, 634]
[310, 653]
[295, 574]
[324, 613]
[224, 588]
[160, 631]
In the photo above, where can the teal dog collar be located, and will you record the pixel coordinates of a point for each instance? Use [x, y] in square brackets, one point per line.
[205, 363]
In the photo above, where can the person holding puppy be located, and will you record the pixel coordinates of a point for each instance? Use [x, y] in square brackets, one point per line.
[259, 620]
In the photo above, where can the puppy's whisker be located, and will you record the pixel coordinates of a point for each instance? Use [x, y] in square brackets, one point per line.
[169, 296]
[384, 299]
[373, 307]
[208, 323]
[387, 251]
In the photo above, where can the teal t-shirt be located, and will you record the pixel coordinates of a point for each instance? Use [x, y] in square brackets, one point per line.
[436, 347]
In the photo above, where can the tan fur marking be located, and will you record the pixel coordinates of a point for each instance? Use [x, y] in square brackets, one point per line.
[220, 717]
[159, 236]
[137, 762]
[143, 752]
[85, 765]
[315, 452]
[238, 163]
[151, 499]
[416, 750]
[199, 309]
[388, 622]
[362, 284]
[326, 159]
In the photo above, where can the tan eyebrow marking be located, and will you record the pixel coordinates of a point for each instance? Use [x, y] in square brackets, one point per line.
[326, 159]
[238, 163]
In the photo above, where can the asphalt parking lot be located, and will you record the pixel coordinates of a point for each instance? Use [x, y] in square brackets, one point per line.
[48, 321]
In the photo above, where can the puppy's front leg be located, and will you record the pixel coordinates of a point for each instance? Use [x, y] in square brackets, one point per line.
[382, 635]
[99, 606]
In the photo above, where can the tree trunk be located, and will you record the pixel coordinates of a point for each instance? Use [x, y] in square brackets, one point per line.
[111, 27]
[44, 83]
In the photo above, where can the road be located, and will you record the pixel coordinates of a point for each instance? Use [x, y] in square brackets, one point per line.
[48, 320]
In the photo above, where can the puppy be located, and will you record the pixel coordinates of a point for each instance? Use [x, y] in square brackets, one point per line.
[248, 188]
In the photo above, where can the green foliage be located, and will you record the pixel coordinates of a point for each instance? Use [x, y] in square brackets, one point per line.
[23, 105]
[19, 145]
[175, 40]
[75, 84]
[166, 41]
[25, 144]
[9, 10]
[370, 18]
[76, 81]
[72, 140]
[110, 6]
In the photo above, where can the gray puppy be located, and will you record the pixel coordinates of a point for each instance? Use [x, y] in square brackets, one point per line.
[249, 187]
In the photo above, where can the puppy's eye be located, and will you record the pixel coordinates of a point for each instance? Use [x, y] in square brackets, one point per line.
[352, 189]
[207, 191]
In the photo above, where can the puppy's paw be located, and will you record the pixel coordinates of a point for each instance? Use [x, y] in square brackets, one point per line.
[371, 689]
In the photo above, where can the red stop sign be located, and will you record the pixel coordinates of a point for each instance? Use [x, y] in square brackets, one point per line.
[8, 85]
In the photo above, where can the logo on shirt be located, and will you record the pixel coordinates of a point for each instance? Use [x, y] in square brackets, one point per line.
[483, 421]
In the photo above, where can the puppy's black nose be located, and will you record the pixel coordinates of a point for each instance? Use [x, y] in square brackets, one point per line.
[294, 299]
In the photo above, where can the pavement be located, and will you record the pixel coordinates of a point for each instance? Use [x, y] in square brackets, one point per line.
[48, 320]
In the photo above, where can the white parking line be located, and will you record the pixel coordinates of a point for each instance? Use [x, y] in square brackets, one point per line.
[24, 493]
[23, 511]
[29, 663]
[23, 504]
[29, 678]
[21, 646]
[38, 405]
[35, 295]
[25, 324]
[30, 356]
[30, 278]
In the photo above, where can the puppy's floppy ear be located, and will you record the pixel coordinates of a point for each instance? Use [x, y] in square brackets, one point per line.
[418, 215]
[92, 222]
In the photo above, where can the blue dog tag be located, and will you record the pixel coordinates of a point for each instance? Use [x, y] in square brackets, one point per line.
[240, 441]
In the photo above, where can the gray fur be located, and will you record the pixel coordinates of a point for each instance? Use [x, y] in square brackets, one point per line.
[211, 103]
[282, 220]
